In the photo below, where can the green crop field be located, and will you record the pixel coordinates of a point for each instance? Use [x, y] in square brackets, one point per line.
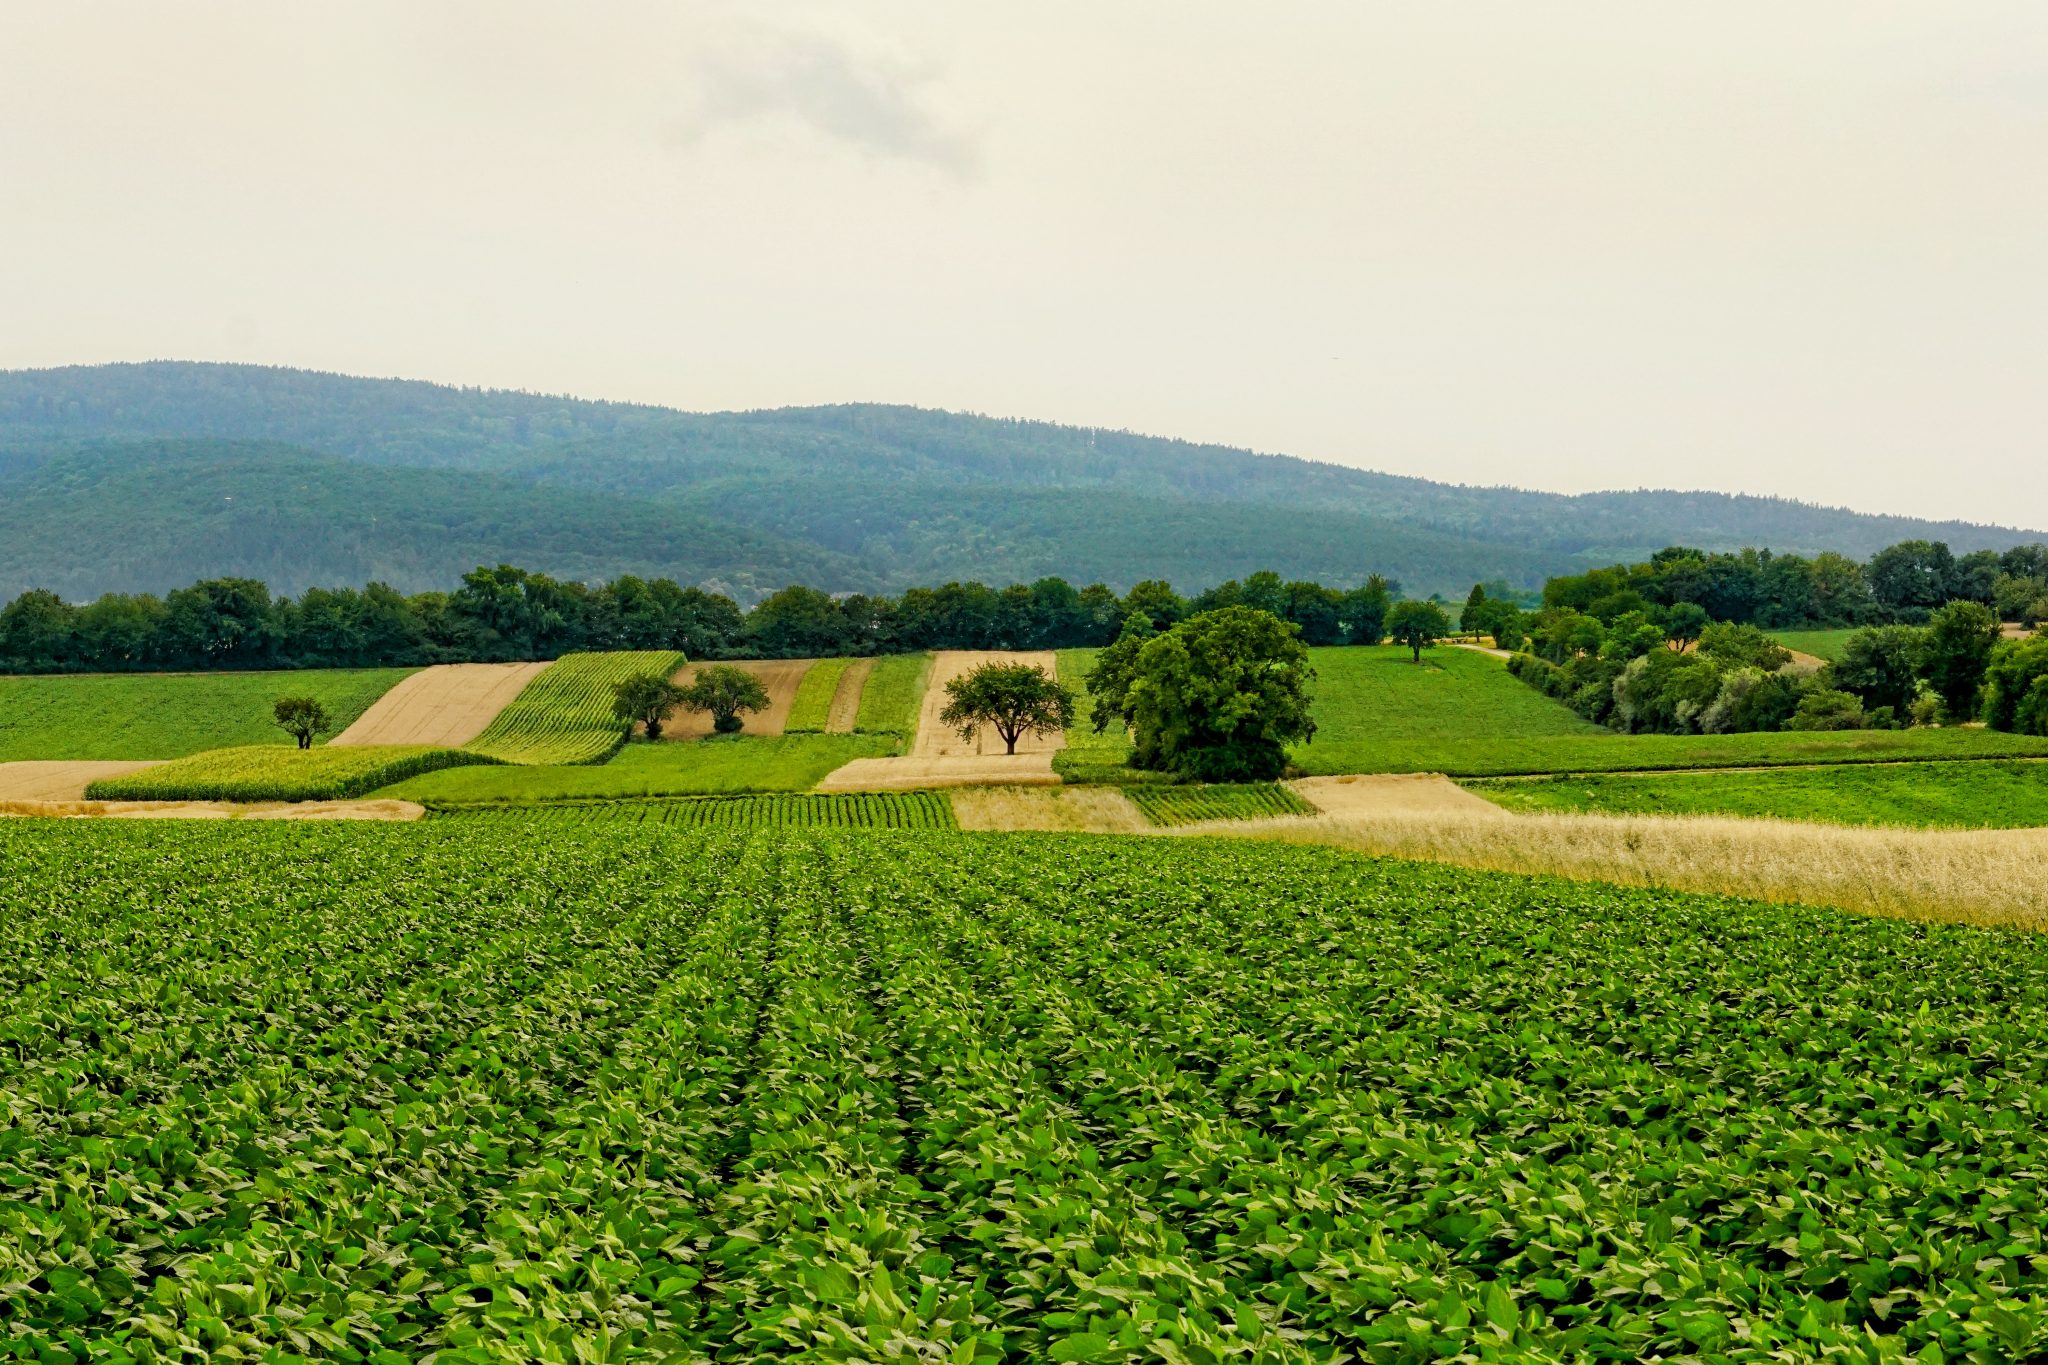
[169, 715]
[453, 1090]
[565, 714]
[1178, 805]
[832, 810]
[1984, 795]
[266, 772]
[812, 708]
[1822, 644]
[894, 691]
[725, 764]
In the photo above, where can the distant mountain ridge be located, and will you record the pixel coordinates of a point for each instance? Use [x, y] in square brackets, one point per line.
[145, 476]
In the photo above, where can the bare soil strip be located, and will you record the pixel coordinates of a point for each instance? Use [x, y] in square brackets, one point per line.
[779, 677]
[936, 739]
[213, 810]
[1080, 810]
[58, 781]
[845, 712]
[1391, 793]
[447, 705]
[967, 770]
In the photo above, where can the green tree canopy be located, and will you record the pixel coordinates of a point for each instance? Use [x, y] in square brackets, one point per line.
[646, 698]
[301, 718]
[1220, 696]
[1960, 638]
[1417, 625]
[1012, 699]
[725, 692]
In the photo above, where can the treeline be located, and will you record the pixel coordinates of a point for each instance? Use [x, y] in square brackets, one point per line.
[1903, 584]
[507, 613]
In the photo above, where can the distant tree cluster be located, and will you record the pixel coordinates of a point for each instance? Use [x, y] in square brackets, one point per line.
[507, 613]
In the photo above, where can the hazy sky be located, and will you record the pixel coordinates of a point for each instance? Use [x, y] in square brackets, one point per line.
[1793, 248]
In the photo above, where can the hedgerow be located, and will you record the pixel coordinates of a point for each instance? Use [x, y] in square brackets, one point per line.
[565, 714]
[454, 1090]
[269, 772]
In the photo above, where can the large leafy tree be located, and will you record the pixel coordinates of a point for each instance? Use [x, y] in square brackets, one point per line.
[2016, 687]
[1220, 696]
[1012, 699]
[301, 718]
[1418, 625]
[646, 698]
[1960, 638]
[1882, 665]
[726, 692]
[1109, 681]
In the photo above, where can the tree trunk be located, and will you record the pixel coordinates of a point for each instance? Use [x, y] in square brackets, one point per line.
[654, 728]
[305, 741]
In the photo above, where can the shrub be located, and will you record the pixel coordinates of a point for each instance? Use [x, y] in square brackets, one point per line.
[1828, 709]
[2015, 675]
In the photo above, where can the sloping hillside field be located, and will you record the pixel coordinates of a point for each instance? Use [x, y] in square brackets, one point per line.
[383, 1093]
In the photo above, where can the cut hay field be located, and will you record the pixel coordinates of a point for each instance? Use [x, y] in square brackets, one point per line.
[451, 1089]
[1991, 794]
[120, 716]
[722, 764]
[447, 705]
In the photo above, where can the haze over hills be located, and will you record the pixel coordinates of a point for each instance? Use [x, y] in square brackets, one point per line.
[147, 476]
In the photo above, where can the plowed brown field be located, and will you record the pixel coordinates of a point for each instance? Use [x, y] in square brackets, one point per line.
[779, 676]
[448, 705]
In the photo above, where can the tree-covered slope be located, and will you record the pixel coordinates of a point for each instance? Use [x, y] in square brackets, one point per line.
[352, 477]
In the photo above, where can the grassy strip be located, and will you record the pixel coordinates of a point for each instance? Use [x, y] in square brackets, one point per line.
[169, 715]
[1982, 795]
[1822, 644]
[265, 772]
[801, 810]
[565, 714]
[895, 690]
[721, 765]
[1188, 805]
[812, 708]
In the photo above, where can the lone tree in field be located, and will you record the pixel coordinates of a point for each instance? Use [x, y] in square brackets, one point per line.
[1219, 697]
[301, 718]
[725, 692]
[1417, 625]
[646, 698]
[1012, 699]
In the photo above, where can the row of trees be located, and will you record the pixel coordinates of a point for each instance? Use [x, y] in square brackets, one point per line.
[1724, 677]
[505, 613]
[1904, 583]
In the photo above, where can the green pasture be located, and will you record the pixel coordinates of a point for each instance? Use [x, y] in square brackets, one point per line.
[169, 715]
[1822, 644]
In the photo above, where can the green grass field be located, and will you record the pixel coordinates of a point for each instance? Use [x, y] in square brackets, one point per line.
[169, 715]
[1985, 795]
[723, 764]
[485, 1089]
[1822, 644]
[1089, 757]
[812, 708]
[894, 691]
[267, 772]
[565, 714]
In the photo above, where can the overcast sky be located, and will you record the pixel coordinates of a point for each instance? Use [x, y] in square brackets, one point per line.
[1787, 248]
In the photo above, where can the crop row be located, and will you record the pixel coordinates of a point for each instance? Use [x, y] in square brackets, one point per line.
[380, 1093]
[270, 772]
[811, 710]
[1166, 804]
[564, 716]
[848, 810]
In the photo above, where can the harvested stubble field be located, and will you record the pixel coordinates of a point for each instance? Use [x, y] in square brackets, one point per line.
[447, 705]
[382, 1092]
[779, 678]
[132, 716]
[59, 781]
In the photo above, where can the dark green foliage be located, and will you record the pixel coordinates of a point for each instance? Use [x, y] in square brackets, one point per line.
[302, 718]
[726, 693]
[2016, 687]
[1957, 650]
[1882, 665]
[646, 698]
[1417, 626]
[1219, 697]
[1014, 700]
[1684, 623]
[1224, 1101]
[1826, 709]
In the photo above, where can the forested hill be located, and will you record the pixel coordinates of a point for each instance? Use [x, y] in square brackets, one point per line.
[144, 477]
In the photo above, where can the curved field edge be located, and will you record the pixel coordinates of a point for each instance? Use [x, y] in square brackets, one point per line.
[121, 716]
[1979, 794]
[727, 765]
[1231, 1071]
[269, 773]
[564, 716]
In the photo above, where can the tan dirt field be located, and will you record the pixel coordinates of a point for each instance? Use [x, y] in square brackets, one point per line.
[448, 705]
[845, 712]
[214, 810]
[1806, 663]
[2013, 630]
[1079, 810]
[1991, 877]
[967, 770]
[1391, 794]
[779, 677]
[59, 781]
[936, 739]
